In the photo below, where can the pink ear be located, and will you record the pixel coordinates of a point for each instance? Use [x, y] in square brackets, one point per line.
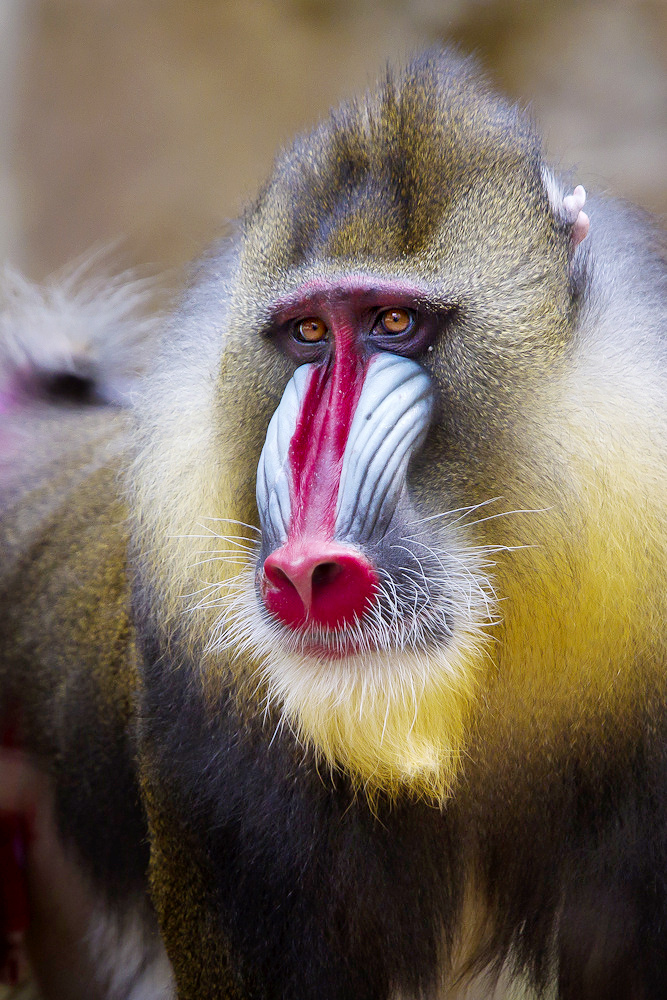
[573, 205]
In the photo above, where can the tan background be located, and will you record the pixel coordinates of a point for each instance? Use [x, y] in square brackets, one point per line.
[155, 120]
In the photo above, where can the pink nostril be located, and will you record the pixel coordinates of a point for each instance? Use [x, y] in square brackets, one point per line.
[318, 582]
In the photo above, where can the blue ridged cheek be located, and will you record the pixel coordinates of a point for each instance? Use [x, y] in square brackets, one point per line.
[390, 422]
[273, 475]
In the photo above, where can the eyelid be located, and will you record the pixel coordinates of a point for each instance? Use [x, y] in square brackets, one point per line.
[415, 340]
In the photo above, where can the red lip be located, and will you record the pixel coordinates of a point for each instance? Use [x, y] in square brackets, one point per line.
[313, 647]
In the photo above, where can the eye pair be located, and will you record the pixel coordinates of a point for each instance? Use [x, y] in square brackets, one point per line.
[313, 330]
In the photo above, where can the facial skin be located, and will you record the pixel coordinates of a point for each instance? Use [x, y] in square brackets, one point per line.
[360, 414]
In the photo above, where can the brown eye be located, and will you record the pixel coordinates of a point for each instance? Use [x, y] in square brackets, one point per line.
[396, 320]
[312, 330]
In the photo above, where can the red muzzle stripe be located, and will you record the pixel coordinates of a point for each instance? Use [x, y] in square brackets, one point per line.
[318, 443]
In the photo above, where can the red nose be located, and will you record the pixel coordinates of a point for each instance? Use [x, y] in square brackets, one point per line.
[318, 582]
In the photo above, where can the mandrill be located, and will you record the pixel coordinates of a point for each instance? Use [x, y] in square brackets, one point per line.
[338, 658]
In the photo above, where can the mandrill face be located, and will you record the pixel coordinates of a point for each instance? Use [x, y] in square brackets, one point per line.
[365, 611]
[382, 414]
[333, 467]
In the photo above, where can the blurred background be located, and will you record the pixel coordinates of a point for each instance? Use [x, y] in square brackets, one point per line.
[155, 120]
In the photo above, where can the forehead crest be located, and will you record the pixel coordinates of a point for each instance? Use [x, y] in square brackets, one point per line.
[378, 177]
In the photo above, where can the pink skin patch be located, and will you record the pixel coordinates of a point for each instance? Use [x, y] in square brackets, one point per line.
[10, 396]
[573, 205]
[313, 579]
[351, 293]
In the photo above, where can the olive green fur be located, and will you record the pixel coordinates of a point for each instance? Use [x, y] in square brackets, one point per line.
[65, 591]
